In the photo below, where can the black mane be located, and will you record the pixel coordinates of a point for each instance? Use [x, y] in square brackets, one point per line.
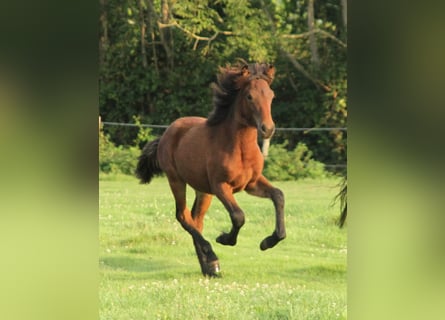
[229, 82]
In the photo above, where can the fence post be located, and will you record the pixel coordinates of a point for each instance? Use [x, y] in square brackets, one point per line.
[265, 147]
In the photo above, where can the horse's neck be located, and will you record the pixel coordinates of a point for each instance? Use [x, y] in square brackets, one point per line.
[247, 136]
[239, 136]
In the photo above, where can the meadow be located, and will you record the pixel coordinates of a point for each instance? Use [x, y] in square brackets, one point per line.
[149, 270]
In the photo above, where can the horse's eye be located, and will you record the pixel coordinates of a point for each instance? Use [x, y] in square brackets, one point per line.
[249, 97]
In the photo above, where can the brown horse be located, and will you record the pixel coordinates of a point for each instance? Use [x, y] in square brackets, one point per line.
[219, 156]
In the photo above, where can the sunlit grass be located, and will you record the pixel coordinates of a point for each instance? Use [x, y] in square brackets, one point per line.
[149, 269]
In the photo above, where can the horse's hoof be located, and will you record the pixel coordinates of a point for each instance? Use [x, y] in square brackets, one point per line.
[213, 270]
[270, 242]
[226, 239]
[216, 274]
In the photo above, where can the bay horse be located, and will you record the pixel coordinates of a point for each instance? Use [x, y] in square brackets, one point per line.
[219, 156]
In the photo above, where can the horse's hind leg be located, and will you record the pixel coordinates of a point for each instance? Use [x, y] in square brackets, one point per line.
[207, 258]
[199, 209]
[263, 188]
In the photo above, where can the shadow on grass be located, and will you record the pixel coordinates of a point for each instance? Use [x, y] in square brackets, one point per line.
[321, 272]
[130, 264]
[124, 267]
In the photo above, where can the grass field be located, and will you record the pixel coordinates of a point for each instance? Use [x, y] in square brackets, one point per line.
[148, 267]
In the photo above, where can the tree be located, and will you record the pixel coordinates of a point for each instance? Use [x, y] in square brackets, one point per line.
[158, 58]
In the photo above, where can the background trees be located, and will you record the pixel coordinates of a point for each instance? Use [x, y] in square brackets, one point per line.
[158, 58]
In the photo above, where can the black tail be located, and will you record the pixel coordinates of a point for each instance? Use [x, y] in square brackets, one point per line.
[148, 165]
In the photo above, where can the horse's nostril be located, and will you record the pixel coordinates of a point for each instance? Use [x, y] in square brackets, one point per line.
[263, 128]
[266, 131]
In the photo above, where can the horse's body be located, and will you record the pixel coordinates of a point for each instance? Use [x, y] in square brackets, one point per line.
[219, 156]
[236, 162]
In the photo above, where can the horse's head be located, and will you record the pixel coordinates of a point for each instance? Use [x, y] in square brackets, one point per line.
[256, 98]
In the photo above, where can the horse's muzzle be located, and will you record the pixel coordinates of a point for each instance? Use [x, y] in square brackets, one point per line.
[267, 131]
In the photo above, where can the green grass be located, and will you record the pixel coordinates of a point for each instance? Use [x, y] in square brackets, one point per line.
[148, 267]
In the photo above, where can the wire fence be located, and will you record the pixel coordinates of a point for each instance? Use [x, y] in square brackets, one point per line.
[166, 126]
[306, 130]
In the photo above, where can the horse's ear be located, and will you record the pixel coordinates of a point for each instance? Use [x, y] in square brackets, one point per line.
[245, 71]
[270, 73]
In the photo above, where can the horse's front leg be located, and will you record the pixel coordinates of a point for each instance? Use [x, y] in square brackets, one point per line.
[263, 188]
[224, 193]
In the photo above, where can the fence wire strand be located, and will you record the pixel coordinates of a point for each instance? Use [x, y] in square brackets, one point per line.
[161, 126]
[166, 126]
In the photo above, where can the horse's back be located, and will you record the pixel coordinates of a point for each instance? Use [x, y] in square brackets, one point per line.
[176, 132]
[186, 123]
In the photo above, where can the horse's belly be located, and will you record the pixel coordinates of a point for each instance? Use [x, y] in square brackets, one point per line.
[194, 175]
